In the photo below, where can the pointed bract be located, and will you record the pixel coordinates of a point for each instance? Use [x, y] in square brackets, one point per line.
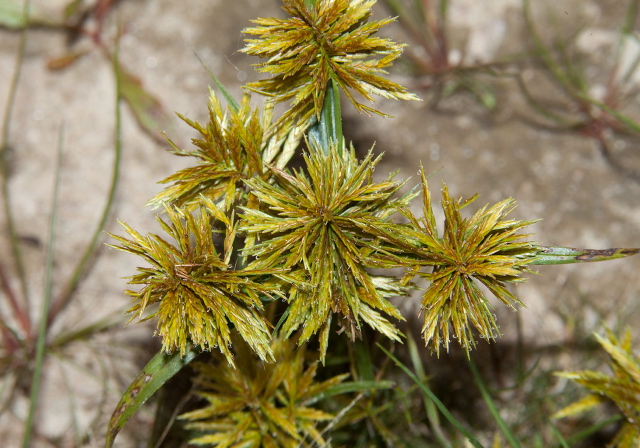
[199, 297]
[233, 145]
[333, 40]
[324, 226]
[623, 388]
[260, 405]
[485, 249]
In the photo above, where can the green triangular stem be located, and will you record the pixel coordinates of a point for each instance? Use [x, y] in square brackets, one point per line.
[328, 131]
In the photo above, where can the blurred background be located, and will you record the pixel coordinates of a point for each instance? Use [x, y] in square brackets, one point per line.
[532, 101]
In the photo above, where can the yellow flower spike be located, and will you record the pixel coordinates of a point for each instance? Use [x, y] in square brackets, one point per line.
[325, 226]
[622, 387]
[332, 40]
[199, 297]
[234, 145]
[260, 405]
[485, 249]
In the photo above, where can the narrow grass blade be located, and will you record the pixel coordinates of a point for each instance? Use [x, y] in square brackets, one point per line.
[630, 17]
[425, 389]
[363, 361]
[576, 438]
[157, 372]
[20, 312]
[354, 386]
[82, 333]
[46, 302]
[492, 406]
[329, 128]
[230, 100]
[614, 113]
[542, 51]
[534, 104]
[561, 440]
[566, 255]
[429, 405]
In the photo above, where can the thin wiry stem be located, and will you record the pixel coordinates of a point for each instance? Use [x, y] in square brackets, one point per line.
[42, 328]
[4, 167]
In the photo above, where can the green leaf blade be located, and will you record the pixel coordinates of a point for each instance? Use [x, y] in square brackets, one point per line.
[158, 371]
[549, 255]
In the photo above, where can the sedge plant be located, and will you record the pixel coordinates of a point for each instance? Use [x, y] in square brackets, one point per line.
[622, 388]
[263, 270]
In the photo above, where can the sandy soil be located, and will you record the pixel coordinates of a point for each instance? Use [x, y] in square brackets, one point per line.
[559, 176]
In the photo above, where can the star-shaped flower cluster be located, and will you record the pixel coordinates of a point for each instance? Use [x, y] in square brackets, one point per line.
[260, 405]
[623, 388]
[331, 41]
[324, 226]
[485, 249]
[234, 145]
[198, 295]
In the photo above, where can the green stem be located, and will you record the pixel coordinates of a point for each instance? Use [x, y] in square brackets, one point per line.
[443, 409]
[43, 325]
[328, 131]
[491, 405]
[566, 255]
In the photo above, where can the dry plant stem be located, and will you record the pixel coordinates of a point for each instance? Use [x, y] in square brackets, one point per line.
[23, 313]
[596, 116]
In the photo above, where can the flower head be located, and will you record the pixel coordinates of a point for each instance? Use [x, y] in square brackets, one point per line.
[324, 226]
[198, 295]
[623, 388]
[330, 41]
[485, 248]
[260, 405]
[234, 145]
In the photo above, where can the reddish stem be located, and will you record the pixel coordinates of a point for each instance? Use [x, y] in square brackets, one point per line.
[21, 315]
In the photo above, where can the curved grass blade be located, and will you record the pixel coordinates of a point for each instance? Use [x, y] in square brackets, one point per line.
[46, 302]
[492, 406]
[353, 386]
[157, 372]
[227, 96]
[561, 440]
[429, 405]
[566, 255]
[425, 390]
[83, 332]
[578, 437]
[329, 128]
